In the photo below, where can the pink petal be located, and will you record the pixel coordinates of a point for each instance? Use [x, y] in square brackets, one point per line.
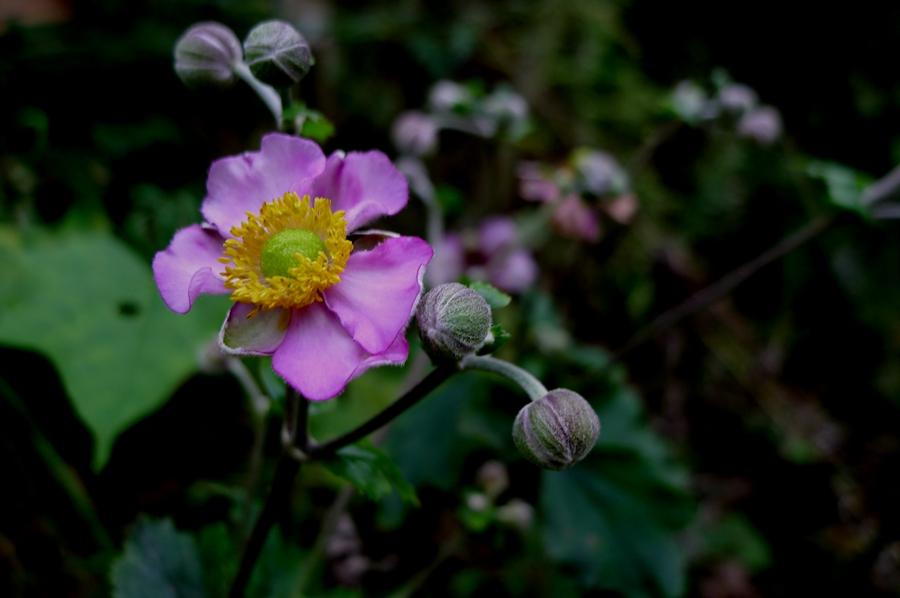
[318, 357]
[364, 185]
[240, 184]
[379, 289]
[188, 267]
[449, 261]
[513, 272]
[497, 233]
[259, 335]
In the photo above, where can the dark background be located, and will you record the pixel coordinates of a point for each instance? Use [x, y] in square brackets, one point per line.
[781, 401]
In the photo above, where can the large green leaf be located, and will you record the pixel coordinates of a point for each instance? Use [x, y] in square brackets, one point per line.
[158, 562]
[91, 306]
[615, 517]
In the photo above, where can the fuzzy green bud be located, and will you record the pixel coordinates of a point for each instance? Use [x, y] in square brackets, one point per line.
[206, 55]
[277, 53]
[454, 321]
[556, 431]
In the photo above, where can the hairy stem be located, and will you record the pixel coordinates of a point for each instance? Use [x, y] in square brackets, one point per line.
[531, 385]
[266, 93]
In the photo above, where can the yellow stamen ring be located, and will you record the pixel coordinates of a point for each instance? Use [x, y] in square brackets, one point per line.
[305, 281]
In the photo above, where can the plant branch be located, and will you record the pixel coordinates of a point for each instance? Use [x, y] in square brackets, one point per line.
[410, 398]
[725, 285]
[297, 448]
[531, 385]
[279, 495]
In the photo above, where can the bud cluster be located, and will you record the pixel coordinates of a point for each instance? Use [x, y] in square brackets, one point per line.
[209, 54]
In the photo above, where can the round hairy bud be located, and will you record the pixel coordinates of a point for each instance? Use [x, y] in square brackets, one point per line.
[277, 54]
[556, 431]
[206, 54]
[453, 320]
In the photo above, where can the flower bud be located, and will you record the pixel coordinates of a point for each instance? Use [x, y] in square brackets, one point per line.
[277, 54]
[556, 431]
[206, 54]
[454, 321]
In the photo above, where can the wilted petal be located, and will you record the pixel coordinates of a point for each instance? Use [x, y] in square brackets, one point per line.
[257, 335]
[363, 184]
[240, 184]
[379, 289]
[318, 357]
[188, 267]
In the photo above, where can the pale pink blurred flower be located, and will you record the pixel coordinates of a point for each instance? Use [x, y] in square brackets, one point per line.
[737, 97]
[622, 208]
[762, 124]
[415, 133]
[575, 219]
[535, 184]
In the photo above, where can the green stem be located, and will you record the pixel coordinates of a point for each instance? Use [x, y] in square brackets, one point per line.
[279, 495]
[410, 398]
[531, 385]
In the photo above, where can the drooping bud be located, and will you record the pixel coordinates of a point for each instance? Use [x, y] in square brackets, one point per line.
[454, 321]
[277, 53]
[556, 431]
[206, 54]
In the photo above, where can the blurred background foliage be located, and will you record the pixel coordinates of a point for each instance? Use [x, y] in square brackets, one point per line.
[750, 450]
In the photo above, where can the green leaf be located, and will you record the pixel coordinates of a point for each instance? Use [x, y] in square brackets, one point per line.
[844, 185]
[500, 336]
[615, 517]
[434, 423]
[494, 296]
[371, 472]
[307, 122]
[91, 306]
[158, 562]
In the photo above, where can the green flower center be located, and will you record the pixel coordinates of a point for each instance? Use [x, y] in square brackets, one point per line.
[280, 250]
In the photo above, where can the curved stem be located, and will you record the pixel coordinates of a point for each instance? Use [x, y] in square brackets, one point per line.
[265, 92]
[412, 396]
[531, 385]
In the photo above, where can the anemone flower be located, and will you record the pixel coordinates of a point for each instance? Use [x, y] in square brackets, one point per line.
[275, 237]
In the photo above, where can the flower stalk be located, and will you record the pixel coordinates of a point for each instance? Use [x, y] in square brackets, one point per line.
[527, 382]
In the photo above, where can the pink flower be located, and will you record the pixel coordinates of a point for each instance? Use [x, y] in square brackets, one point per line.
[576, 220]
[275, 238]
[493, 253]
